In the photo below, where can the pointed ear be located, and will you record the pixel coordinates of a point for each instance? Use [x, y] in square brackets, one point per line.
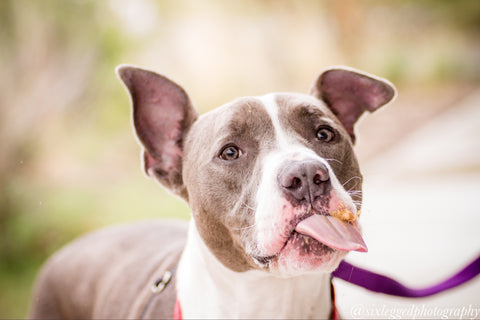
[349, 93]
[162, 116]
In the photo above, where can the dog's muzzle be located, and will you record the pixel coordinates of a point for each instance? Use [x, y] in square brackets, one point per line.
[308, 183]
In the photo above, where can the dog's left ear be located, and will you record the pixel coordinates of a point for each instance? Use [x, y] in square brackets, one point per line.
[162, 115]
[350, 93]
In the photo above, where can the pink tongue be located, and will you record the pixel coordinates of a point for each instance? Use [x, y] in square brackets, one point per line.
[333, 232]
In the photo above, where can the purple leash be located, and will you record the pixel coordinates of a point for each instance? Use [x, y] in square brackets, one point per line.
[382, 284]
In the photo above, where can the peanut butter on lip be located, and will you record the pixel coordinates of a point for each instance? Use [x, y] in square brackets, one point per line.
[344, 214]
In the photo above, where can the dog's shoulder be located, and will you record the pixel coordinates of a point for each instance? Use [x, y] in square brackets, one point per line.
[109, 264]
[115, 245]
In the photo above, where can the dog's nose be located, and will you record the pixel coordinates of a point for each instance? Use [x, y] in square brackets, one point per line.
[304, 180]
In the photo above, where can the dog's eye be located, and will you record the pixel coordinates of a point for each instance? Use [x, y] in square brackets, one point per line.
[325, 134]
[230, 153]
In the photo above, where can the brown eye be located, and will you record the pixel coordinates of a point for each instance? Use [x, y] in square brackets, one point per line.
[230, 153]
[325, 134]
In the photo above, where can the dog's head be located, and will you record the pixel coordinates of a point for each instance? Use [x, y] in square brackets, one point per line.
[272, 181]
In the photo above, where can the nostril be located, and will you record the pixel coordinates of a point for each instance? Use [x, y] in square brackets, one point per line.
[296, 183]
[318, 179]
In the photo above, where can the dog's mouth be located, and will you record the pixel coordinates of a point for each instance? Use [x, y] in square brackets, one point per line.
[304, 244]
[320, 234]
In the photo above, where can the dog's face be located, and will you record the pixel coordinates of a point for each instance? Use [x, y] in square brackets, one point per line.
[256, 168]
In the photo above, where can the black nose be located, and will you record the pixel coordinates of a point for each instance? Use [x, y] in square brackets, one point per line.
[304, 180]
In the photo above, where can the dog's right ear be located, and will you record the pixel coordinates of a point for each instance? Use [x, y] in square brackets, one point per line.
[349, 93]
[162, 116]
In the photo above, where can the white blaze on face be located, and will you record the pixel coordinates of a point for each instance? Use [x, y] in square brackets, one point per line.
[274, 213]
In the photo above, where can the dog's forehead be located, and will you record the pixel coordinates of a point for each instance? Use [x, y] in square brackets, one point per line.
[242, 119]
[246, 113]
[287, 102]
[261, 123]
[259, 113]
[297, 107]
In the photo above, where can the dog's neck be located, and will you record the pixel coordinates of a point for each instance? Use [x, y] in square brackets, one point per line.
[206, 288]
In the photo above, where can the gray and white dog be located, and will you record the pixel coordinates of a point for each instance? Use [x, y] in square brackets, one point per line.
[275, 190]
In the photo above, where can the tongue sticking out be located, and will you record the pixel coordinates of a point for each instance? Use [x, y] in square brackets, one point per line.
[333, 232]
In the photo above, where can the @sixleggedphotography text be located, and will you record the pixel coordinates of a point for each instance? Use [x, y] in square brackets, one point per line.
[413, 311]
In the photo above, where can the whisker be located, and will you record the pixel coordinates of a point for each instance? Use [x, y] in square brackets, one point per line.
[354, 192]
[356, 195]
[247, 206]
[354, 177]
[245, 228]
[340, 162]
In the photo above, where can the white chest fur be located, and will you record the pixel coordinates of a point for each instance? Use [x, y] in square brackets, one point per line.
[207, 289]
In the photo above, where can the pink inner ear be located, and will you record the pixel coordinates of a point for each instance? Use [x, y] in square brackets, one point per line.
[161, 112]
[158, 122]
[349, 94]
[363, 92]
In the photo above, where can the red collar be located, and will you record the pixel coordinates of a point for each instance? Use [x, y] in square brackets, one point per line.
[177, 311]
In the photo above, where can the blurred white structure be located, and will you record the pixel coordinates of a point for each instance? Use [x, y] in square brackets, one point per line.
[421, 219]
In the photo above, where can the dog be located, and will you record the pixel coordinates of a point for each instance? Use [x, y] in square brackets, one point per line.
[274, 187]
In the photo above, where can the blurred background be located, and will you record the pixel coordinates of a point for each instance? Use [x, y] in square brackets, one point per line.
[69, 162]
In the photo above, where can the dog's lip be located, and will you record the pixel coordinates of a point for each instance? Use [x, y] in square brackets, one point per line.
[265, 260]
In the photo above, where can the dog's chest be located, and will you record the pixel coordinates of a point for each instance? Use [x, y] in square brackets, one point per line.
[210, 290]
